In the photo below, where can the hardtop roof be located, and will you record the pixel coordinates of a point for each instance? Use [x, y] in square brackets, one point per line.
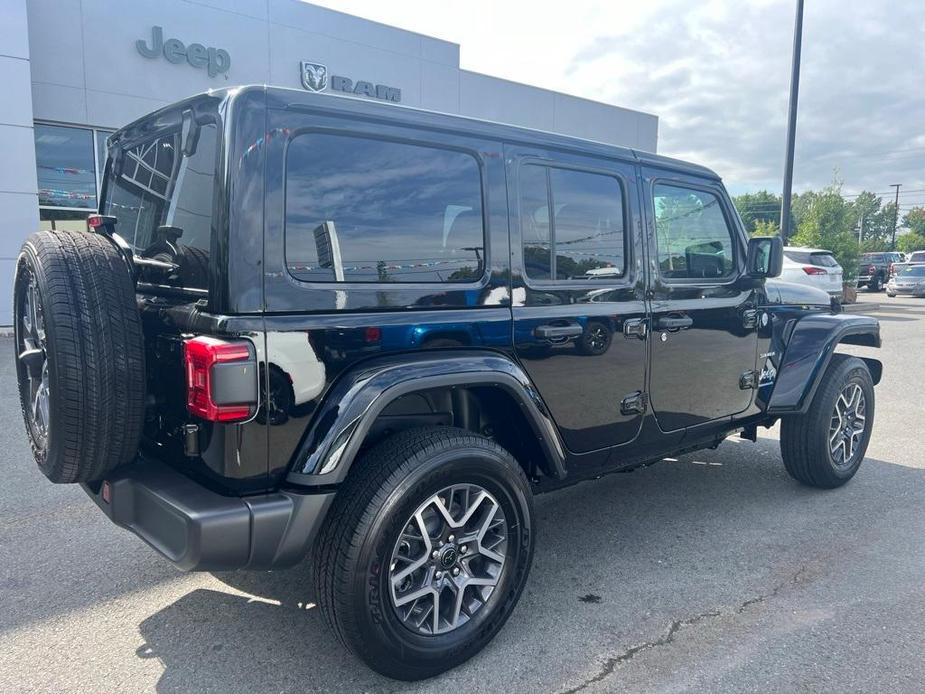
[286, 98]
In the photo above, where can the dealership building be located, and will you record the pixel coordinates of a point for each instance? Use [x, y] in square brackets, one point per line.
[74, 70]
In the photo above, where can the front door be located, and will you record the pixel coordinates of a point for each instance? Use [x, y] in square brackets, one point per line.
[704, 322]
[578, 291]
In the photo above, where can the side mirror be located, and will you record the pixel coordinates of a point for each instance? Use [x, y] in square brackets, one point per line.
[189, 134]
[765, 256]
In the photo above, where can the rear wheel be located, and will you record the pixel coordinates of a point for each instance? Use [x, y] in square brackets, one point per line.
[79, 354]
[426, 551]
[824, 448]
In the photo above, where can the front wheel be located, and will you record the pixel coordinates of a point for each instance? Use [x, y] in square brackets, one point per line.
[824, 448]
[426, 551]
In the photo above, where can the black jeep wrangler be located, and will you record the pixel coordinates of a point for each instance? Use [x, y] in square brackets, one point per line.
[304, 325]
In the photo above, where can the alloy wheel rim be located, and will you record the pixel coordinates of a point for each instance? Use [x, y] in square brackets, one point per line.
[32, 355]
[849, 421]
[598, 338]
[448, 559]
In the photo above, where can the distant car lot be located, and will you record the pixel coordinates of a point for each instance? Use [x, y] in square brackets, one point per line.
[715, 572]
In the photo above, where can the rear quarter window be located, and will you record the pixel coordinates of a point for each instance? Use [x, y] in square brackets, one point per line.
[360, 209]
[823, 259]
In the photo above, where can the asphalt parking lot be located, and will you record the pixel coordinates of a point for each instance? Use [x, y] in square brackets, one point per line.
[715, 572]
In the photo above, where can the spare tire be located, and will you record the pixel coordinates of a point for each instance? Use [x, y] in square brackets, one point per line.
[80, 359]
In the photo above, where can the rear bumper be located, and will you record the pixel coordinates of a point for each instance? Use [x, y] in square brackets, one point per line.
[905, 291]
[197, 529]
[864, 279]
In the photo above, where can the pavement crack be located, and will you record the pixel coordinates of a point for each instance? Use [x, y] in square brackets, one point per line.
[612, 663]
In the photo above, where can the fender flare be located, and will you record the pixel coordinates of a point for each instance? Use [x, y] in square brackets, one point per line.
[808, 353]
[336, 432]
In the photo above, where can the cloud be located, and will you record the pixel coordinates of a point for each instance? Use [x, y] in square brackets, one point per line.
[717, 74]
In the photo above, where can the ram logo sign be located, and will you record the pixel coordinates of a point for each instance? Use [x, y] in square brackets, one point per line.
[315, 79]
[314, 76]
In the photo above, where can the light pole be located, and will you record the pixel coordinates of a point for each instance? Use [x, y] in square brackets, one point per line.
[897, 186]
[791, 123]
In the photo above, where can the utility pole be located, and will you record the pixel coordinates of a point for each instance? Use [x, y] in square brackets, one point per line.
[895, 214]
[791, 123]
[861, 230]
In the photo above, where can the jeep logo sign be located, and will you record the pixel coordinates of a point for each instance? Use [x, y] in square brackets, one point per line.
[315, 79]
[214, 60]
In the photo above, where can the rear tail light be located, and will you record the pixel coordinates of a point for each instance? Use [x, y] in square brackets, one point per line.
[221, 379]
[872, 269]
[95, 221]
[811, 270]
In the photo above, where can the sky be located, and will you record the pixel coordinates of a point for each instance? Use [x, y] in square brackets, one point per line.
[717, 74]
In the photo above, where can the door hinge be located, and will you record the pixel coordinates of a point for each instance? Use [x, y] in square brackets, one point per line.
[750, 318]
[749, 380]
[635, 403]
[636, 327]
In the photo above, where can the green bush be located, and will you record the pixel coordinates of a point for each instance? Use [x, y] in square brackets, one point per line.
[827, 221]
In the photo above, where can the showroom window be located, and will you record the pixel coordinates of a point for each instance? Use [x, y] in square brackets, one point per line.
[69, 163]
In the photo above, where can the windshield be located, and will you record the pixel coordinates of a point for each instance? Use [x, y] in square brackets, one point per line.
[162, 201]
[914, 271]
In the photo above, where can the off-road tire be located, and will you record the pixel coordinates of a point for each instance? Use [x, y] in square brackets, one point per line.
[352, 554]
[93, 349]
[804, 439]
[875, 283]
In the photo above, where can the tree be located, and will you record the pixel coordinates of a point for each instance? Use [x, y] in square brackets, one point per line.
[877, 220]
[755, 208]
[915, 220]
[765, 227]
[912, 241]
[827, 221]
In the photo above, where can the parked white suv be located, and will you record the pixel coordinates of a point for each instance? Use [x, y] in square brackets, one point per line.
[813, 267]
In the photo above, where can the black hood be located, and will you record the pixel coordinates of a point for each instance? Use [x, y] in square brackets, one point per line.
[781, 292]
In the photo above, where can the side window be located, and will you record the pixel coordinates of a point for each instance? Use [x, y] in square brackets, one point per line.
[694, 240]
[585, 239]
[367, 210]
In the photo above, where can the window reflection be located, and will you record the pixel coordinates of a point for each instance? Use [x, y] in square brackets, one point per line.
[694, 240]
[586, 237]
[65, 164]
[366, 210]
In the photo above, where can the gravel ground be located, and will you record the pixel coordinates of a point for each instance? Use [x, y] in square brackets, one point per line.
[714, 572]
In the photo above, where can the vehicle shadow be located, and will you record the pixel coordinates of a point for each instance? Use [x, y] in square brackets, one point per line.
[614, 558]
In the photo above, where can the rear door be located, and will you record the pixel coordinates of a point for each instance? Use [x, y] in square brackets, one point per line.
[578, 291]
[704, 319]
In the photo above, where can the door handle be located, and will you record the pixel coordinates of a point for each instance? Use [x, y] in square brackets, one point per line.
[557, 332]
[673, 322]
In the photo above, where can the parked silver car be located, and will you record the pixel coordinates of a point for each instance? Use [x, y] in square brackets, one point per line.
[909, 280]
